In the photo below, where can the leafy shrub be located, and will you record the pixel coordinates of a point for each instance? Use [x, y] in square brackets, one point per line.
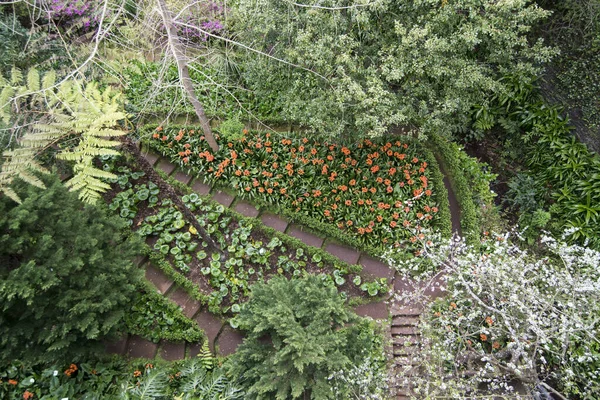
[299, 333]
[155, 318]
[66, 275]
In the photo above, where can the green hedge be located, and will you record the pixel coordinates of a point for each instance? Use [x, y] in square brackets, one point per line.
[451, 164]
[437, 178]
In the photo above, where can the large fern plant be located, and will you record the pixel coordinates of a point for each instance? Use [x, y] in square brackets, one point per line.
[70, 109]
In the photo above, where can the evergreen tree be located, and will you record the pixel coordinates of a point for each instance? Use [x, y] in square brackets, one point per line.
[66, 276]
[300, 332]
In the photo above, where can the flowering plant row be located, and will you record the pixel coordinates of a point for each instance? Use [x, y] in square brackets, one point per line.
[372, 190]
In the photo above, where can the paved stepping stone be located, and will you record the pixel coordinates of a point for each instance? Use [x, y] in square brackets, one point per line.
[139, 260]
[373, 310]
[162, 282]
[193, 349]
[222, 197]
[182, 177]
[246, 209]
[305, 237]
[201, 187]
[172, 351]
[188, 305]
[211, 325]
[344, 253]
[118, 347]
[229, 340]
[402, 285]
[166, 166]
[138, 347]
[376, 268]
[404, 310]
[151, 157]
[274, 221]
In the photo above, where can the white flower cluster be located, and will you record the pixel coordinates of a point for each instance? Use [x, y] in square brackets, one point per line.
[513, 316]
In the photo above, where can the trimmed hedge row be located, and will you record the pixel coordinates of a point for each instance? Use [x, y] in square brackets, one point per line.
[452, 165]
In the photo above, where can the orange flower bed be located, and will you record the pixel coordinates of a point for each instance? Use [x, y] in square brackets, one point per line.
[379, 192]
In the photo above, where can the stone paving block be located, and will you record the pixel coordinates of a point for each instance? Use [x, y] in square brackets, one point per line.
[274, 221]
[228, 341]
[166, 166]
[188, 305]
[211, 325]
[343, 253]
[118, 347]
[193, 349]
[402, 285]
[373, 310]
[376, 268]
[201, 187]
[138, 347]
[305, 237]
[151, 157]
[247, 209]
[162, 282]
[172, 351]
[222, 197]
[182, 177]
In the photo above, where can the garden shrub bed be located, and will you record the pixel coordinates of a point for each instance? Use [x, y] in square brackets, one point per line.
[365, 195]
[220, 280]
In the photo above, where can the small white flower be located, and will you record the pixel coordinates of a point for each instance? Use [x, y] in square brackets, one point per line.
[31, 380]
[55, 374]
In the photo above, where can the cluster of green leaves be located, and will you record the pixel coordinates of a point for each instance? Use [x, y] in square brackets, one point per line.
[567, 173]
[365, 68]
[196, 378]
[66, 276]
[219, 96]
[155, 318]
[299, 333]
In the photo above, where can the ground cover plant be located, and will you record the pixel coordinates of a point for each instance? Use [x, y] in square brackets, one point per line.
[371, 190]
[246, 256]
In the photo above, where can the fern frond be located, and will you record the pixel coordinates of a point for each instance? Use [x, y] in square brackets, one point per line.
[11, 194]
[206, 357]
[49, 79]
[153, 386]
[16, 76]
[33, 80]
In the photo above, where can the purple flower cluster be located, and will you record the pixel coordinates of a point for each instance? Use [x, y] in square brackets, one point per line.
[72, 11]
[207, 19]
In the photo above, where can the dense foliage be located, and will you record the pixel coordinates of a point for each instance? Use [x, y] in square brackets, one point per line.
[299, 333]
[362, 68]
[66, 275]
[196, 378]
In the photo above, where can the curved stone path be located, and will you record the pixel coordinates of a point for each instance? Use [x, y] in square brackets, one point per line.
[403, 332]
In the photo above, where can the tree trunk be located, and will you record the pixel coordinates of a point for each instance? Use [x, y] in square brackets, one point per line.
[184, 74]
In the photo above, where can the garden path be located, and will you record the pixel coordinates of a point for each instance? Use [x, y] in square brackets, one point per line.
[403, 331]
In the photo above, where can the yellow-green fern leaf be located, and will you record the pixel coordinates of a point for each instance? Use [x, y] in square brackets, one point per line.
[33, 80]
[16, 76]
[49, 79]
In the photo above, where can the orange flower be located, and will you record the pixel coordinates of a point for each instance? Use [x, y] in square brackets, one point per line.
[155, 136]
[27, 395]
[349, 223]
[393, 224]
[12, 382]
[483, 337]
[282, 190]
[379, 179]
[373, 190]
[496, 345]
[389, 189]
[361, 202]
[160, 128]
[406, 223]
[348, 203]
[379, 218]
[244, 131]
[334, 207]
[434, 209]
[352, 182]
[489, 321]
